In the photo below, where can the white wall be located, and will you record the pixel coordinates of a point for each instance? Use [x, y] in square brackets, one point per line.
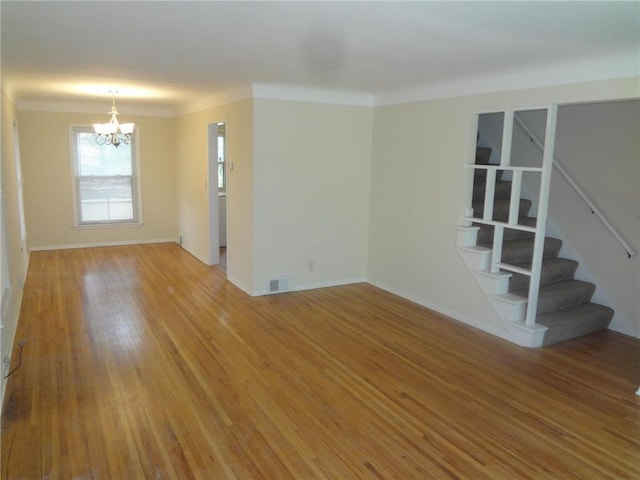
[599, 145]
[222, 219]
[47, 171]
[192, 192]
[10, 221]
[417, 193]
[311, 192]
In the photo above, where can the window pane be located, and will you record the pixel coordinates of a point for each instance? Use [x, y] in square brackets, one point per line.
[94, 159]
[106, 199]
[221, 178]
[221, 175]
[220, 148]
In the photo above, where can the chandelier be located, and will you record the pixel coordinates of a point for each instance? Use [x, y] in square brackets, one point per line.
[113, 133]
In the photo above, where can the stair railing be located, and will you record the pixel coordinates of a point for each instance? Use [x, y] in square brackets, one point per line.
[543, 208]
[592, 206]
[514, 206]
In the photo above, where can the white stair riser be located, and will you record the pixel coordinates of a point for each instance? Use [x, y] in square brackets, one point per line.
[476, 260]
[492, 284]
[507, 311]
[530, 337]
[466, 236]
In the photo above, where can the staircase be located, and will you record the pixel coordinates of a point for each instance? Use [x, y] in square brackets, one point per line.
[564, 307]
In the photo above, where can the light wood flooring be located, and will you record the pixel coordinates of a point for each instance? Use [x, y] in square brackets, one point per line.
[140, 362]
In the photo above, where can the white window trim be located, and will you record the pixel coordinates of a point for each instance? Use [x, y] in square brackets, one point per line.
[137, 205]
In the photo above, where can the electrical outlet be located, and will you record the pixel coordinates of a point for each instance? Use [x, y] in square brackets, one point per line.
[6, 361]
[311, 266]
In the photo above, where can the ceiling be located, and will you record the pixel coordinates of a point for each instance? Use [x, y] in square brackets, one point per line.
[172, 54]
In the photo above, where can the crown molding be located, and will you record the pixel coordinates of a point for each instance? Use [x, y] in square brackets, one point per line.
[314, 95]
[624, 65]
[607, 68]
[221, 97]
[91, 107]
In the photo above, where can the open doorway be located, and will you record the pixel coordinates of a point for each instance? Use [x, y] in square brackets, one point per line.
[218, 196]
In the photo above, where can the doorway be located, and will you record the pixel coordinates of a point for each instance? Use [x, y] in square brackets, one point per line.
[217, 194]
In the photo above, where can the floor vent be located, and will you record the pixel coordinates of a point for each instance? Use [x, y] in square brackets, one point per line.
[278, 285]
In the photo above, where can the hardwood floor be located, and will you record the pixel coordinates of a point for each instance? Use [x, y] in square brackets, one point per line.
[142, 363]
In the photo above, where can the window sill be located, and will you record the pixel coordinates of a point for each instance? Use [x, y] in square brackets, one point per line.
[91, 226]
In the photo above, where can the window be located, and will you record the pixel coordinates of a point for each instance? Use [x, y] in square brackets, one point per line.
[105, 180]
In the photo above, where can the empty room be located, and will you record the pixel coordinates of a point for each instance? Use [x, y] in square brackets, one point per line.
[320, 240]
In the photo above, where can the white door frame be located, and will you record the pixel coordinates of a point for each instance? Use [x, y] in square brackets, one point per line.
[212, 182]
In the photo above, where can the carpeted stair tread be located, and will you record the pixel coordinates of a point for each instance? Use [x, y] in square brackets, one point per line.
[480, 175]
[574, 322]
[557, 296]
[502, 190]
[520, 250]
[485, 234]
[554, 270]
[528, 221]
[564, 303]
[501, 209]
[483, 155]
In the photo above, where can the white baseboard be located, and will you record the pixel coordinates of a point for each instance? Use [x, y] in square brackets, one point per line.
[196, 254]
[102, 244]
[240, 285]
[312, 286]
[11, 318]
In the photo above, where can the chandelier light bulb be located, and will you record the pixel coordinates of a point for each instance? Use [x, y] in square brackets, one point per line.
[113, 133]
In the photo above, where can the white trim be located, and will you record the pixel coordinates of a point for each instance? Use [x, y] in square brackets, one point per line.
[240, 285]
[91, 107]
[314, 95]
[328, 284]
[213, 200]
[96, 226]
[196, 254]
[619, 66]
[137, 203]
[103, 244]
[15, 315]
[222, 97]
[542, 213]
[530, 336]
[312, 286]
